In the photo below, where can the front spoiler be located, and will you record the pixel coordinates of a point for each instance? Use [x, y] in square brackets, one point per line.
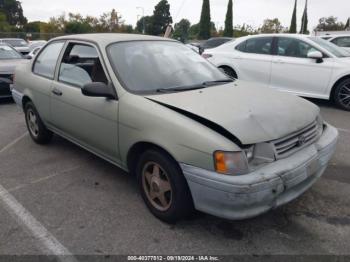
[241, 197]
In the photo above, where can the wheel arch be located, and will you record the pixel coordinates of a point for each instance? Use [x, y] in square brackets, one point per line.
[25, 100]
[138, 149]
[230, 67]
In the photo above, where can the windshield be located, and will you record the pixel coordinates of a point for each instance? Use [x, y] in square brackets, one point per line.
[330, 47]
[16, 42]
[160, 66]
[7, 52]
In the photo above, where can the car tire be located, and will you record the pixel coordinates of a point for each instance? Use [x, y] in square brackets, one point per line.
[341, 95]
[229, 71]
[163, 187]
[36, 128]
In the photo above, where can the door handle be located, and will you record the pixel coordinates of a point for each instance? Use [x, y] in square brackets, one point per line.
[57, 92]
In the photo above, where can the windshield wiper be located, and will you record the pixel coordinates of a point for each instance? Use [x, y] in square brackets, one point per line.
[194, 87]
[181, 88]
[216, 82]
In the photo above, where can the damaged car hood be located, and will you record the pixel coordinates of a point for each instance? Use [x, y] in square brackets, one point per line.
[250, 112]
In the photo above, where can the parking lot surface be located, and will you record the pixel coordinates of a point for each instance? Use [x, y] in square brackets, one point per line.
[62, 199]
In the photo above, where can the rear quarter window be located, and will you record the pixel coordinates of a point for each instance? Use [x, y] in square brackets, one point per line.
[45, 64]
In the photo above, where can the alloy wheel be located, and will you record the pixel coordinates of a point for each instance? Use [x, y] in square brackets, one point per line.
[156, 185]
[344, 95]
[32, 123]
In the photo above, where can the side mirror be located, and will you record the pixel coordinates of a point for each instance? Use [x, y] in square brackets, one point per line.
[200, 50]
[98, 89]
[29, 57]
[317, 55]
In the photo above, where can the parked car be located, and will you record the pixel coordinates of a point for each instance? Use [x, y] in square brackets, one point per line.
[34, 52]
[17, 43]
[297, 64]
[193, 137]
[9, 59]
[214, 42]
[342, 41]
[36, 43]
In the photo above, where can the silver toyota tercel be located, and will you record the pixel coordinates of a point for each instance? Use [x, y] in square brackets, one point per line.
[194, 138]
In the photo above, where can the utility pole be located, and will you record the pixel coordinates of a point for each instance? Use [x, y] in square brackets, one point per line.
[143, 19]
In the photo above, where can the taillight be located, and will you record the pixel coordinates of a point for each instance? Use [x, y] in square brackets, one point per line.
[206, 56]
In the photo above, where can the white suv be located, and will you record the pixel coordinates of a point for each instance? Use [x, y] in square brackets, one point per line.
[298, 64]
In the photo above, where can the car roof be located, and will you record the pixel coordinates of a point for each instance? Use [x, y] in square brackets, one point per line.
[2, 39]
[108, 38]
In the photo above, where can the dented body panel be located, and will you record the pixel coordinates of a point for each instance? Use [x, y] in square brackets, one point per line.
[271, 186]
[252, 113]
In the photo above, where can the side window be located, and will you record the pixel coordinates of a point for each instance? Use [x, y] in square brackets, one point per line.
[81, 65]
[241, 46]
[46, 62]
[259, 45]
[293, 48]
[342, 41]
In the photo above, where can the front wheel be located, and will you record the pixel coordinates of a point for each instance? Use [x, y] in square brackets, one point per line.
[37, 130]
[163, 187]
[342, 94]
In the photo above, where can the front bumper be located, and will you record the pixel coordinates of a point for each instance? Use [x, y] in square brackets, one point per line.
[241, 197]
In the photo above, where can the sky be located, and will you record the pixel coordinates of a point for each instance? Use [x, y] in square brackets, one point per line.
[252, 12]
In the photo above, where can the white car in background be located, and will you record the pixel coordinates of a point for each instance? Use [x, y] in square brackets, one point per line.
[298, 64]
[342, 41]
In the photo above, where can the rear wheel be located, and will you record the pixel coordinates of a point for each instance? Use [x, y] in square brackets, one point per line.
[163, 187]
[37, 130]
[342, 94]
[229, 71]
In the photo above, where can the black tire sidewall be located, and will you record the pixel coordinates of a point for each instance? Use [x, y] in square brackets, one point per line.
[336, 94]
[182, 204]
[44, 135]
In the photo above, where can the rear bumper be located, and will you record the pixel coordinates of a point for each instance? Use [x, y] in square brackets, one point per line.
[241, 197]
[17, 96]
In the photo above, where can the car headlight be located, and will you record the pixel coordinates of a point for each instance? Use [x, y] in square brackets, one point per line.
[231, 163]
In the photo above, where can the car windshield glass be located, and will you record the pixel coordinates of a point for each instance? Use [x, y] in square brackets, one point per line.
[7, 52]
[161, 66]
[330, 47]
[16, 42]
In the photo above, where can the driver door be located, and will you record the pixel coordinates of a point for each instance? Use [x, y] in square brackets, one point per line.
[90, 121]
[294, 72]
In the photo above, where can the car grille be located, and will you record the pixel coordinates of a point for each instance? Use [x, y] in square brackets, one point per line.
[288, 145]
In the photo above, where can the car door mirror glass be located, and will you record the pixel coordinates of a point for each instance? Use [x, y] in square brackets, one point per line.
[98, 89]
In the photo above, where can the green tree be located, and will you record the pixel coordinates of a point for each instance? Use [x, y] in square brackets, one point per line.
[161, 18]
[229, 20]
[271, 26]
[148, 25]
[76, 27]
[304, 21]
[347, 25]
[181, 30]
[204, 24]
[329, 24]
[14, 12]
[293, 23]
[32, 27]
[4, 25]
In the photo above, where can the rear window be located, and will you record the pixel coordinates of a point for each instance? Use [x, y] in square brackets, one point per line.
[16, 42]
[259, 45]
[46, 62]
